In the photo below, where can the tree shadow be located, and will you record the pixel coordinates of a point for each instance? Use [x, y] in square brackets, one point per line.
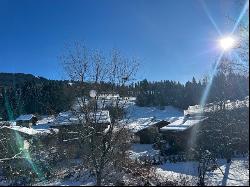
[226, 173]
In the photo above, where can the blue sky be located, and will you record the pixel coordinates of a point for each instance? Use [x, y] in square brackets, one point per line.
[174, 39]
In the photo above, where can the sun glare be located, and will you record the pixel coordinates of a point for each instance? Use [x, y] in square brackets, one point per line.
[227, 43]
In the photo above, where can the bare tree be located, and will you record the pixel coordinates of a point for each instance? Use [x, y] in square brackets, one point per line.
[240, 64]
[104, 140]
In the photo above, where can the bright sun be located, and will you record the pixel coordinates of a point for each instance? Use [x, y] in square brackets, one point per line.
[227, 43]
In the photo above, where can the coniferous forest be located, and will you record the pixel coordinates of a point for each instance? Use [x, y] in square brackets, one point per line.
[24, 93]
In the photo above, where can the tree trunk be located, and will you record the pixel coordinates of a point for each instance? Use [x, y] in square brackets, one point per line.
[98, 179]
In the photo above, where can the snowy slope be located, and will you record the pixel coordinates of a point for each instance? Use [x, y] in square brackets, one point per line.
[134, 112]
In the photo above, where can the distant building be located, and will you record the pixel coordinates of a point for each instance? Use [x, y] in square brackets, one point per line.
[216, 106]
[109, 96]
[27, 120]
[145, 130]
[1, 91]
[4, 123]
[150, 134]
[179, 131]
[69, 120]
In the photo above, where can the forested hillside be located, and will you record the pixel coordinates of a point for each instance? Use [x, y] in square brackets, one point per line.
[10, 79]
[229, 86]
[25, 93]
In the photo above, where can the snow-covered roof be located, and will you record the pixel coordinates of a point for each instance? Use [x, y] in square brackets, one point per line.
[140, 150]
[69, 118]
[42, 127]
[135, 112]
[211, 107]
[105, 100]
[45, 120]
[136, 125]
[32, 131]
[182, 123]
[109, 96]
[25, 117]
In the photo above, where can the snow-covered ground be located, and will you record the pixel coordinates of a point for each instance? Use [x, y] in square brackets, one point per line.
[236, 173]
[135, 112]
[69, 173]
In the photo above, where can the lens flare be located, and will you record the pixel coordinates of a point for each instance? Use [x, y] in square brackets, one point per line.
[19, 140]
[204, 6]
[209, 84]
[243, 12]
[227, 43]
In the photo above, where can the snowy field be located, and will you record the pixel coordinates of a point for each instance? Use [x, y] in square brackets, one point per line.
[236, 172]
